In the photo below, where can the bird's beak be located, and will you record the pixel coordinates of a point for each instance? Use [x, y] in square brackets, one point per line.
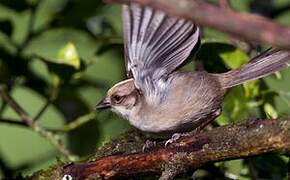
[104, 104]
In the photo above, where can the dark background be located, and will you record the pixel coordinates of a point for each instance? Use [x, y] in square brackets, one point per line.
[73, 49]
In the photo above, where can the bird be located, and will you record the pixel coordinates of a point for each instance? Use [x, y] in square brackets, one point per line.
[157, 97]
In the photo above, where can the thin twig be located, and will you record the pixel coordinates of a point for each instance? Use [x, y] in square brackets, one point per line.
[42, 110]
[78, 122]
[13, 122]
[74, 124]
[18, 109]
[53, 96]
[51, 137]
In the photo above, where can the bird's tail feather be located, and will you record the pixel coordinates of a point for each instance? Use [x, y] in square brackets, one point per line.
[260, 66]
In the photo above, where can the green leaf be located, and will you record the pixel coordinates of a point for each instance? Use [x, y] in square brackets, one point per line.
[61, 72]
[270, 111]
[67, 66]
[222, 56]
[235, 107]
[234, 59]
[252, 89]
[234, 169]
[278, 75]
[13, 138]
[222, 120]
[69, 55]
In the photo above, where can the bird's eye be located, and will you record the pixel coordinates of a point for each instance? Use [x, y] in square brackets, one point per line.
[117, 98]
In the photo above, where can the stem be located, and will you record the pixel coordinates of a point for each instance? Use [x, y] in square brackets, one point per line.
[48, 102]
[18, 109]
[75, 124]
[52, 138]
[42, 110]
[13, 122]
[79, 121]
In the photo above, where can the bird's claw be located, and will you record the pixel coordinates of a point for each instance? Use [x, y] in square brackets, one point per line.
[148, 145]
[173, 139]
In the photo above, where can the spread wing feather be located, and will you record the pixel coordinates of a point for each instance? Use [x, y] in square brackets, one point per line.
[155, 45]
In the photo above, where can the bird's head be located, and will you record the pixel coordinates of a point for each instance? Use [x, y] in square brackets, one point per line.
[121, 98]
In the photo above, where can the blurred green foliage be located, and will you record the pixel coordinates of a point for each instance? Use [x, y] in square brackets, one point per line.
[62, 56]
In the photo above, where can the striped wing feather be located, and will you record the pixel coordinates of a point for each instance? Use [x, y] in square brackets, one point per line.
[155, 44]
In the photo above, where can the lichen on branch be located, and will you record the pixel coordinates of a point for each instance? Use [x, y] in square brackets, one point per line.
[220, 144]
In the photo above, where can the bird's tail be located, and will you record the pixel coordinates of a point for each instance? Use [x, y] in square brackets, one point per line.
[260, 66]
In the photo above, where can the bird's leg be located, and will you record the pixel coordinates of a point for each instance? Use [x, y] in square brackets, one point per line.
[148, 145]
[175, 137]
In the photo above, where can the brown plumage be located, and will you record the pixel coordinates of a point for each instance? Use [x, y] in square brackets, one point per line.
[158, 98]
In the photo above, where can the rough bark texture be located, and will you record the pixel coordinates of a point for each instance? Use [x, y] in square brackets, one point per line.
[245, 26]
[219, 144]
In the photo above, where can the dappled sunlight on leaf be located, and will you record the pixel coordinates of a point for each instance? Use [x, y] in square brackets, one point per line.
[69, 55]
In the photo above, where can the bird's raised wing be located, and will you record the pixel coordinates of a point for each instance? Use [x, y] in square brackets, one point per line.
[156, 44]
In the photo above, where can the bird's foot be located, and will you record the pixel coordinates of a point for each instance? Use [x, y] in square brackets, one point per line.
[148, 145]
[175, 137]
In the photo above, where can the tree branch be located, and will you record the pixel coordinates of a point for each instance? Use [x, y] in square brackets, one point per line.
[219, 144]
[245, 26]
